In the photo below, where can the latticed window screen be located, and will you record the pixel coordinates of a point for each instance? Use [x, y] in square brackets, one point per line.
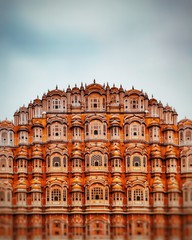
[47, 195]
[138, 194]
[64, 131]
[144, 161]
[136, 161]
[96, 129]
[64, 195]
[56, 104]
[56, 195]
[135, 130]
[64, 161]
[97, 193]
[87, 191]
[146, 195]
[56, 162]
[95, 103]
[129, 195]
[106, 193]
[56, 130]
[76, 196]
[128, 161]
[96, 160]
[188, 135]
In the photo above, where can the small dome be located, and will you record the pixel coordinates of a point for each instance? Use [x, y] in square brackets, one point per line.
[21, 184]
[115, 152]
[155, 152]
[76, 151]
[76, 188]
[36, 152]
[22, 153]
[75, 89]
[116, 180]
[76, 180]
[37, 101]
[117, 187]
[153, 101]
[56, 92]
[35, 181]
[6, 125]
[37, 124]
[185, 122]
[173, 184]
[154, 123]
[157, 184]
[170, 152]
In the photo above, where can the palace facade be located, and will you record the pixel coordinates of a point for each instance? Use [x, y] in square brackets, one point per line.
[96, 162]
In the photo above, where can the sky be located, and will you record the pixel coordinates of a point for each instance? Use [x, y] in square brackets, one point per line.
[146, 44]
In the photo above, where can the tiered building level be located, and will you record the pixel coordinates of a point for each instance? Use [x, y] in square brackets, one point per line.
[96, 162]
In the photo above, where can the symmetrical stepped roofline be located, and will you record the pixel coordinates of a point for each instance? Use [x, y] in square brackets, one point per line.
[96, 162]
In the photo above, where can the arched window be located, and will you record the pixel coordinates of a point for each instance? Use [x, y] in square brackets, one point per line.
[142, 130]
[4, 138]
[97, 193]
[136, 161]
[56, 104]
[9, 196]
[56, 130]
[64, 131]
[95, 128]
[23, 137]
[126, 104]
[138, 194]
[48, 192]
[135, 130]
[64, 195]
[37, 134]
[96, 160]
[183, 162]
[64, 105]
[2, 196]
[181, 136]
[48, 161]
[87, 193]
[126, 130]
[190, 161]
[134, 104]
[104, 103]
[75, 100]
[144, 161]
[86, 129]
[11, 137]
[37, 112]
[49, 131]
[23, 118]
[56, 195]
[95, 103]
[188, 135]
[106, 193]
[128, 161]
[56, 162]
[64, 161]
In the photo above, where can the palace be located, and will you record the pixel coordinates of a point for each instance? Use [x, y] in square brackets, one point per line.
[96, 162]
